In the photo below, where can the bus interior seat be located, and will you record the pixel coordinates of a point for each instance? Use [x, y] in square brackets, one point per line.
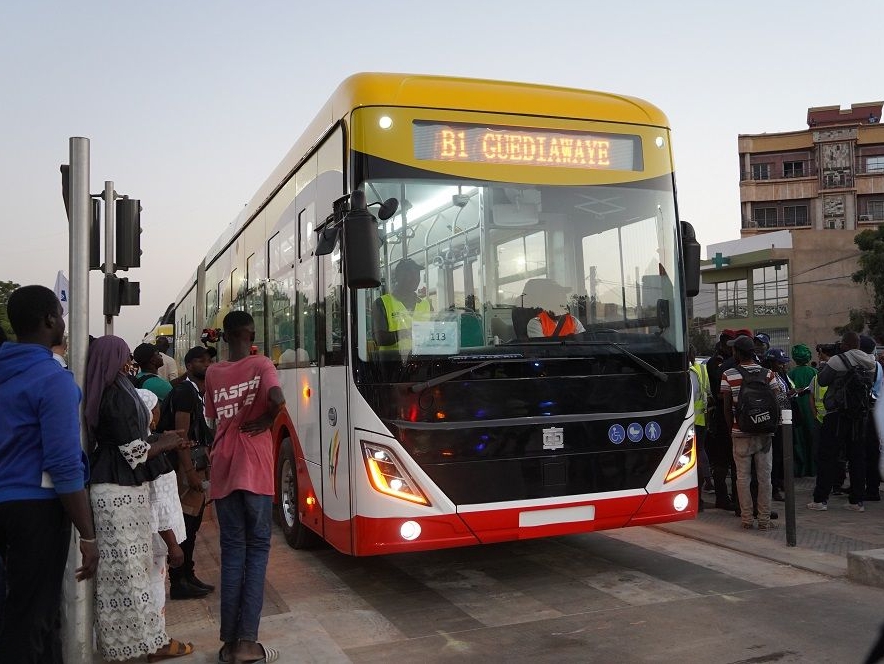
[471, 333]
[500, 328]
[521, 317]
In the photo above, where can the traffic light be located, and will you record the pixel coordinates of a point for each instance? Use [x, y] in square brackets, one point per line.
[95, 236]
[111, 295]
[130, 292]
[128, 233]
[119, 292]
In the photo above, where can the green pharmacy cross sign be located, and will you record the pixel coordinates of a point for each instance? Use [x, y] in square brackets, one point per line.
[720, 261]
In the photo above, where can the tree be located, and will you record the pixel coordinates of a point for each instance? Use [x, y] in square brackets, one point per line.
[871, 274]
[6, 288]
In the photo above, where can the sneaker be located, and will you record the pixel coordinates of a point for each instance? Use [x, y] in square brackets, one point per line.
[777, 496]
[819, 507]
[768, 526]
[708, 487]
[746, 526]
[855, 507]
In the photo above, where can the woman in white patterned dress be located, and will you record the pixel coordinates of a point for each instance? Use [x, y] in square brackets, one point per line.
[127, 619]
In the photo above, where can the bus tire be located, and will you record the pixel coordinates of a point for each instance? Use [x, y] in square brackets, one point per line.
[296, 533]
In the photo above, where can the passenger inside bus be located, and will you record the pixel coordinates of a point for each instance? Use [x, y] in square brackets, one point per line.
[393, 312]
[546, 298]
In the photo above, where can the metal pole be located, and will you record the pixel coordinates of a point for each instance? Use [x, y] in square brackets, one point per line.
[109, 219]
[788, 477]
[76, 614]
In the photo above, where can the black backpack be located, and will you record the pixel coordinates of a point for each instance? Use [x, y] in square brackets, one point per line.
[853, 390]
[139, 381]
[757, 409]
[199, 430]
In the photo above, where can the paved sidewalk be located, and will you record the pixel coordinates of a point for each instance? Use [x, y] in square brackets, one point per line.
[823, 539]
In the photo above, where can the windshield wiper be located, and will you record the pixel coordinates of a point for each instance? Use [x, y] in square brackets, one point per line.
[647, 366]
[451, 375]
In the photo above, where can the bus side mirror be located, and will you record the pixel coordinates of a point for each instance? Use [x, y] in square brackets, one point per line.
[690, 250]
[361, 245]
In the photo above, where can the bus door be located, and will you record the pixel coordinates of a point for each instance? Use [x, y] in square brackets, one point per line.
[333, 414]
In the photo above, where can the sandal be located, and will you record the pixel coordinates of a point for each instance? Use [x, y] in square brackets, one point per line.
[225, 655]
[270, 655]
[173, 648]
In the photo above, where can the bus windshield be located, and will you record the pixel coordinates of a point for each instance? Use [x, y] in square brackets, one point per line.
[478, 270]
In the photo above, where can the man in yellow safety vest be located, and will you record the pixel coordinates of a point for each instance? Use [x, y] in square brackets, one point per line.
[703, 402]
[393, 312]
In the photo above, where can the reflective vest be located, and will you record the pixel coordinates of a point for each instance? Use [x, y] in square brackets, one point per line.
[819, 393]
[548, 324]
[399, 318]
[700, 400]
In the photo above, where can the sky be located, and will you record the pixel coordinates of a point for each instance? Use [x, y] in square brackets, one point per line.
[189, 106]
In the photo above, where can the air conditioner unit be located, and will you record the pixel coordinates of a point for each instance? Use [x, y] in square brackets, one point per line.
[865, 217]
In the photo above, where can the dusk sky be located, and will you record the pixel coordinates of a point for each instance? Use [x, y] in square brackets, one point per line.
[190, 105]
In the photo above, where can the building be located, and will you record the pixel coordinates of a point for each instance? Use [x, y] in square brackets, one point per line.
[804, 196]
[829, 176]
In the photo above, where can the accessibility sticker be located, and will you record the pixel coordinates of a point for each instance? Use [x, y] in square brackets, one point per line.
[616, 434]
[635, 432]
[652, 431]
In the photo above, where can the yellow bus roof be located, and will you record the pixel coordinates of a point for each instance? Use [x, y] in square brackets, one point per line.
[467, 94]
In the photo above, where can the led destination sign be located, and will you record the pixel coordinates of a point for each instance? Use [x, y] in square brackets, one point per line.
[519, 146]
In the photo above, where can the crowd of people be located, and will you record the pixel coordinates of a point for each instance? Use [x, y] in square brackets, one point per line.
[159, 448]
[834, 434]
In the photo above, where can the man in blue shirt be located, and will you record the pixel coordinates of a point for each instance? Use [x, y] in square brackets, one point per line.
[42, 478]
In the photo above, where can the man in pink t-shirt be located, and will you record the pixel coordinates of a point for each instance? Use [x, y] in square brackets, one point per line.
[243, 397]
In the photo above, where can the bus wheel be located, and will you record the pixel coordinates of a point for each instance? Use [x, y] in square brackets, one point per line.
[296, 534]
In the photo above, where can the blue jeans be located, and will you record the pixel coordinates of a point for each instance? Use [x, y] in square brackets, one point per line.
[244, 520]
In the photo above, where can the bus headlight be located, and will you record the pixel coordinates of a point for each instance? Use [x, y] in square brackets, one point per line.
[686, 457]
[388, 476]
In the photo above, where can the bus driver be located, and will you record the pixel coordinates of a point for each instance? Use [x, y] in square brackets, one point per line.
[551, 298]
[393, 312]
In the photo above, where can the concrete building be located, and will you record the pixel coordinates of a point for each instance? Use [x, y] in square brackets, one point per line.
[804, 195]
[796, 286]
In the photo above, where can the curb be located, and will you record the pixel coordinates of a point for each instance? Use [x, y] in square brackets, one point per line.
[754, 544]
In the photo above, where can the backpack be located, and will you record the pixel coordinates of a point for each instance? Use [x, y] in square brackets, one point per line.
[853, 390]
[757, 410]
[199, 430]
[141, 380]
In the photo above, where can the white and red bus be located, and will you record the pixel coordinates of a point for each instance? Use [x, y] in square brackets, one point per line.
[513, 199]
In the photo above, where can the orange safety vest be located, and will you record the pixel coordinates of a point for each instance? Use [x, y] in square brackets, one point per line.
[548, 324]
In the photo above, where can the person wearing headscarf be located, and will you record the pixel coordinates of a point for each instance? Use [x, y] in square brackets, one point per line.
[127, 622]
[801, 376]
[167, 520]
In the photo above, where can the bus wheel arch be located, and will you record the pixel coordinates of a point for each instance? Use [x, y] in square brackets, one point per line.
[297, 535]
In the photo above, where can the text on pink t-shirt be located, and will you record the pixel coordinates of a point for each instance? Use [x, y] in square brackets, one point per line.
[237, 392]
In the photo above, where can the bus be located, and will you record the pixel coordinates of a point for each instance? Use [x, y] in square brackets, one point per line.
[510, 202]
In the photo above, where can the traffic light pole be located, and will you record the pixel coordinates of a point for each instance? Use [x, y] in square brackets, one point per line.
[109, 220]
[76, 614]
